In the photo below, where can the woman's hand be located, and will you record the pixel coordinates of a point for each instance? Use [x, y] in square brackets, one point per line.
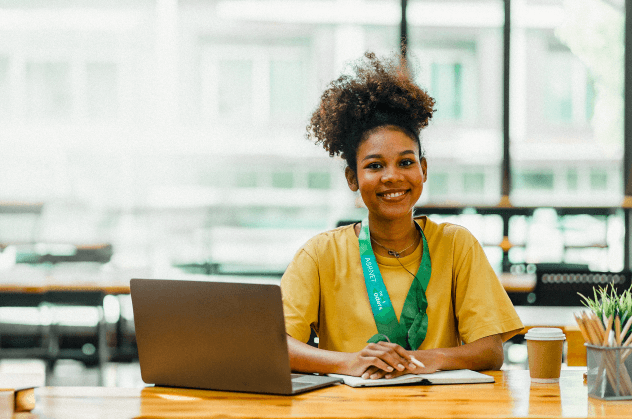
[483, 354]
[378, 359]
[429, 365]
[385, 360]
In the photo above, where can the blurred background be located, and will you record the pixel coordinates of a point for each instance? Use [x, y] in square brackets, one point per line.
[165, 138]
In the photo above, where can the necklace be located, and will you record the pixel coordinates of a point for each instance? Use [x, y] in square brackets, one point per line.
[393, 252]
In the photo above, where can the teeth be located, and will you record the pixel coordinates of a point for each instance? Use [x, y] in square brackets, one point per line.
[393, 195]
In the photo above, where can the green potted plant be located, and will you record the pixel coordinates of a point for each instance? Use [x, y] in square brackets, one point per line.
[606, 329]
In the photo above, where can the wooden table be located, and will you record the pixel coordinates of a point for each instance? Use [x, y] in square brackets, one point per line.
[80, 279]
[39, 282]
[512, 395]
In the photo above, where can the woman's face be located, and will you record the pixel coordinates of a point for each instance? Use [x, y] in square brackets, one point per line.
[390, 175]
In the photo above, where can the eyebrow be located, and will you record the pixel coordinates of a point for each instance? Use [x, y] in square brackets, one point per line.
[379, 156]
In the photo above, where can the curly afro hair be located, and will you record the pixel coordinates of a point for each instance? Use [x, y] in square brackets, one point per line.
[379, 93]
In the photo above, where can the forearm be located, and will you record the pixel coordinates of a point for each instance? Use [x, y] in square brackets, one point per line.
[306, 358]
[483, 354]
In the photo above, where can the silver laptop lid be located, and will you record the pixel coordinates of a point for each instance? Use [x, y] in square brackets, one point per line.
[211, 335]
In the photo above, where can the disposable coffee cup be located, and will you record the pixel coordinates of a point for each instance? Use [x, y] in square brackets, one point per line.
[544, 348]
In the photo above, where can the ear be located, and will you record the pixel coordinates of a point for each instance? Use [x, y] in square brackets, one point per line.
[352, 180]
[424, 169]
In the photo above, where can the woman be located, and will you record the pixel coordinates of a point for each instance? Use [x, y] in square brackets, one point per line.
[393, 294]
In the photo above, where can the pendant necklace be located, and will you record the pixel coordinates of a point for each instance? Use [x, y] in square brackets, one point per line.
[393, 252]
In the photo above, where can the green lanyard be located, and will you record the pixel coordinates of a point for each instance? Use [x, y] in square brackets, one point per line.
[411, 329]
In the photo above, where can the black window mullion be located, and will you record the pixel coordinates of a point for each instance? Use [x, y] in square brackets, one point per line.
[506, 163]
[403, 30]
[627, 135]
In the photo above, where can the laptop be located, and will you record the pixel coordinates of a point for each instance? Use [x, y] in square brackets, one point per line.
[216, 336]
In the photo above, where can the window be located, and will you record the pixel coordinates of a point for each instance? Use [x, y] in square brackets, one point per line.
[234, 88]
[438, 184]
[447, 89]
[598, 180]
[455, 52]
[283, 180]
[48, 87]
[5, 94]
[590, 98]
[254, 83]
[558, 94]
[246, 179]
[534, 180]
[251, 76]
[287, 96]
[571, 179]
[566, 101]
[568, 94]
[101, 90]
[474, 183]
[448, 71]
[318, 180]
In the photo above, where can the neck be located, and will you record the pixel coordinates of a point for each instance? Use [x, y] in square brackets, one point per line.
[395, 234]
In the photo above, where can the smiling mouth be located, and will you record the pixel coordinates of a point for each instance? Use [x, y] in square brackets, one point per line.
[392, 195]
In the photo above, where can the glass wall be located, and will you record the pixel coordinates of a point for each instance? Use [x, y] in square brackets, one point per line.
[457, 50]
[566, 121]
[567, 102]
[174, 129]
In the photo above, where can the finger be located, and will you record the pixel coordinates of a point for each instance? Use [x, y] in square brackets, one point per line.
[411, 362]
[374, 373]
[369, 371]
[396, 374]
[394, 355]
[395, 348]
[406, 358]
[378, 363]
[392, 359]
[378, 374]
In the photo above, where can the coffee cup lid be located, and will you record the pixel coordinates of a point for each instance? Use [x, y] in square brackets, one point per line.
[545, 333]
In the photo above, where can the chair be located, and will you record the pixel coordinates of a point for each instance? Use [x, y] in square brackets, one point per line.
[560, 287]
[23, 334]
[66, 340]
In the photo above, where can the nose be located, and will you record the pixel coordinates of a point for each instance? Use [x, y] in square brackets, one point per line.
[391, 174]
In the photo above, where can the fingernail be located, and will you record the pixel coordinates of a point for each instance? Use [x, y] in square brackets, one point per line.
[365, 375]
[412, 366]
[373, 376]
[389, 369]
[401, 367]
[388, 376]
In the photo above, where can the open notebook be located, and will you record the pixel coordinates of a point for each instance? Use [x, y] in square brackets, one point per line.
[439, 377]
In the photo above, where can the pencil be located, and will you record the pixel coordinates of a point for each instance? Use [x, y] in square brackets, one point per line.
[417, 362]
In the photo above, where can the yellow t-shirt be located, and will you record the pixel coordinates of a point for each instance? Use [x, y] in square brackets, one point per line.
[323, 288]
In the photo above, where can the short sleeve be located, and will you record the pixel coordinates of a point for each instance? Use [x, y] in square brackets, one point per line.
[482, 306]
[300, 288]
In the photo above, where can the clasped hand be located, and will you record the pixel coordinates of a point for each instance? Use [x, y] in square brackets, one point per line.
[388, 360]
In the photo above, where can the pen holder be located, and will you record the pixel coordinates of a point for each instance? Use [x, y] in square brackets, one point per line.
[609, 371]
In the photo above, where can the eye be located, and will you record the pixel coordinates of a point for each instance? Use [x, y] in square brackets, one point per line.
[406, 162]
[374, 166]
